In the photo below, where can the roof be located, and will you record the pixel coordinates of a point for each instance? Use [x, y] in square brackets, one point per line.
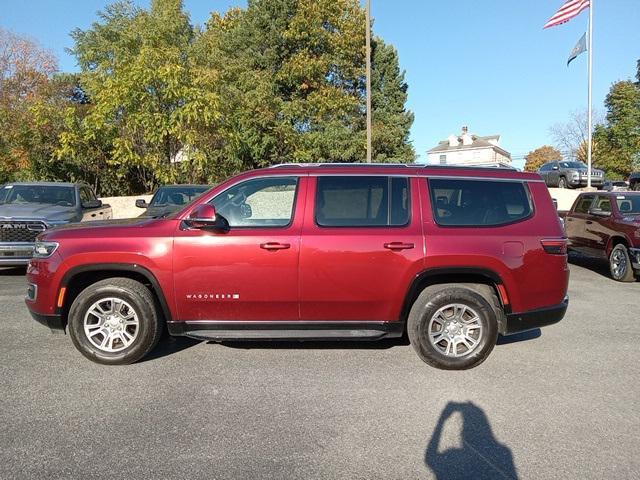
[185, 185]
[478, 142]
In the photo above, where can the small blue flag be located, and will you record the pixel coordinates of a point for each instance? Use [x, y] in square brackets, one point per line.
[580, 47]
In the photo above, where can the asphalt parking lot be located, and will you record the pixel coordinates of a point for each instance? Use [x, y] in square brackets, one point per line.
[560, 403]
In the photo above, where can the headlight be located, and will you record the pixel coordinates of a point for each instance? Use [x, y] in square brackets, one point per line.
[44, 249]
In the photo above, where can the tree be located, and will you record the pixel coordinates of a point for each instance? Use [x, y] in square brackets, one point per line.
[619, 139]
[571, 136]
[538, 157]
[145, 95]
[391, 120]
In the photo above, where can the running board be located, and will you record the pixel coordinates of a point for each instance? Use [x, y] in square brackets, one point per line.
[304, 331]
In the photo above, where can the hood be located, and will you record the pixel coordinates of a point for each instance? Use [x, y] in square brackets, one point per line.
[38, 211]
[128, 227]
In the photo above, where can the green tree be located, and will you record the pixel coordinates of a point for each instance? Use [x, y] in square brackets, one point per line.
[391, 120]
[146, 96]
[538, 157]
[618, 140]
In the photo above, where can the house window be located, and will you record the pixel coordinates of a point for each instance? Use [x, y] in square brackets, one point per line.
[443, 159]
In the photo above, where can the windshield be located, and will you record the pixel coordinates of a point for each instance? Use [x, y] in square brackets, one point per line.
[177, 196]
[628, 204]
[46, 194]
[573, 165]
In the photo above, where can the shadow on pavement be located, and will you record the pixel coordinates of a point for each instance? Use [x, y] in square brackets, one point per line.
[597, 265]
[13, 271]
[169, 345]
[519, 337]
[479, 456]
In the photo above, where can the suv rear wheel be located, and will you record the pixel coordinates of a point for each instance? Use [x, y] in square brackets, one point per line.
[620, 264]
[114, 321]
[452, 326]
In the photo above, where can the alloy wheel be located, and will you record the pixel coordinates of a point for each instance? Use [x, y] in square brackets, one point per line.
[455, 330]
[111, 324]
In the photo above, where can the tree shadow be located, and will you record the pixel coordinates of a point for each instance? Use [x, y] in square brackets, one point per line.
[480, 455]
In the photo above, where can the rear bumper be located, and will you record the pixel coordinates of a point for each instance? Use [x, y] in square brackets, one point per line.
[521, 322]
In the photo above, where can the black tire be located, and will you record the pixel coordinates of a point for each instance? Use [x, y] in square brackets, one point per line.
[620, 264]
[562, 183]
[636, 187]
[139, 298]
[426, 307]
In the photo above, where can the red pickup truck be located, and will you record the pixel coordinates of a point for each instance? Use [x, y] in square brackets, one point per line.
[607, 225]
[451, 256]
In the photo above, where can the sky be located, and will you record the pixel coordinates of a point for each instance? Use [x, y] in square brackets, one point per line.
[486, 64]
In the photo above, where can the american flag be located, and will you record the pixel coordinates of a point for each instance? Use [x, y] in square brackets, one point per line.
[570, 9]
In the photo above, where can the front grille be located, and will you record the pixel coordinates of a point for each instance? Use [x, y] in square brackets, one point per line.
[20, 231]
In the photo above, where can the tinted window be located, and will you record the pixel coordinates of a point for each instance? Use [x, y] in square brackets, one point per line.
[573, 165]
[628, 204]
[478, 202]
[177, 195]
[264, 202]
[546, 167]
[47, 194]
[362, 201]
[604, 204]
[584, 204]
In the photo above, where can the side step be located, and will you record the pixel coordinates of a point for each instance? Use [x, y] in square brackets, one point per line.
[317, 330]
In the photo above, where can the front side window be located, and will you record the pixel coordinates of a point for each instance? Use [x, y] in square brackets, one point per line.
[479, 202]
[604, 204]
[584, 204]
[263, 202]
[354, 201]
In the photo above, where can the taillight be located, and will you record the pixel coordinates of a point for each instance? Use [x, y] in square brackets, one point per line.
[555, 246]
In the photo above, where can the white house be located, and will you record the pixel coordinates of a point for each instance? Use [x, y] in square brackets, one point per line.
[470, 150]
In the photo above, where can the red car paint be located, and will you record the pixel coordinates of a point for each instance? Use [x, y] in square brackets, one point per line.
[307, 272]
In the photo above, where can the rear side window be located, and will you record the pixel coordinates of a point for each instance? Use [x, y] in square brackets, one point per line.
[478, 202]
[352, 201]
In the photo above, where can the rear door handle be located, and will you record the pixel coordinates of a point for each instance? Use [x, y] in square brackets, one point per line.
[398, 246]
[274, 246]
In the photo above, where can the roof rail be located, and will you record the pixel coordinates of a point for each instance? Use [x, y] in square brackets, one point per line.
[346, 164]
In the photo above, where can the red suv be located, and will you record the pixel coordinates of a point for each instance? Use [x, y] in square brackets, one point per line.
[451, 256]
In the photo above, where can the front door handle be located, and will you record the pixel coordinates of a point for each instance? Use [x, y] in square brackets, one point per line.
[398, 245]
[274, 246]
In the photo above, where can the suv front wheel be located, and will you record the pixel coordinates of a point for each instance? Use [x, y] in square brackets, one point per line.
[114, 321]
[452, 327]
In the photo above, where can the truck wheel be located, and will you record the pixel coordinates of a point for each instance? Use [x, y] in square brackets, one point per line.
[636, 187]
[620, 264]
[452, 327]
[562, 182]
[114, 321]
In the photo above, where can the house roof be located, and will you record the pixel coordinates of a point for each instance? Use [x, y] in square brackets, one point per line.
[477, 142]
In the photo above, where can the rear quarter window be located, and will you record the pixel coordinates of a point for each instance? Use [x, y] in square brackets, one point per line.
[476, 203]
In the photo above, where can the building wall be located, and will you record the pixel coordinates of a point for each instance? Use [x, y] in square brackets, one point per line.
[469, 157]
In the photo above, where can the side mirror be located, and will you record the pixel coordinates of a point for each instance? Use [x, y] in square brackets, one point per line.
[141, 203]
[599, 212]
[205, 217]
[92, 204]
[555, 167]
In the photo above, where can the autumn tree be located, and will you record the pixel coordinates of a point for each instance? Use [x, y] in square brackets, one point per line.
[538, 157]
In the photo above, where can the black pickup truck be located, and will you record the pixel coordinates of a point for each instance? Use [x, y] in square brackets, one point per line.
[27, 209]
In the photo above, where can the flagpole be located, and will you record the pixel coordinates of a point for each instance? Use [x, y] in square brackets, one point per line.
[368, 77]
[589, 113]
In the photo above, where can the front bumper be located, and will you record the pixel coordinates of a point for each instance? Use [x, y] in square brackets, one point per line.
[581, 181]
[54, 322]
[634, 254]
[15, 254]
[521, 322]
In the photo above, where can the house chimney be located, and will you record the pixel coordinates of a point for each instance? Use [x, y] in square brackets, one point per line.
[465, 129]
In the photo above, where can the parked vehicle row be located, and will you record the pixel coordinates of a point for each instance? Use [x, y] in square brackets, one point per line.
[451, 256]
[569, 174]
[607, 225]
[30, 208]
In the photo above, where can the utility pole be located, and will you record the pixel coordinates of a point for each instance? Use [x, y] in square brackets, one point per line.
[590, 114]
[368, 54]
